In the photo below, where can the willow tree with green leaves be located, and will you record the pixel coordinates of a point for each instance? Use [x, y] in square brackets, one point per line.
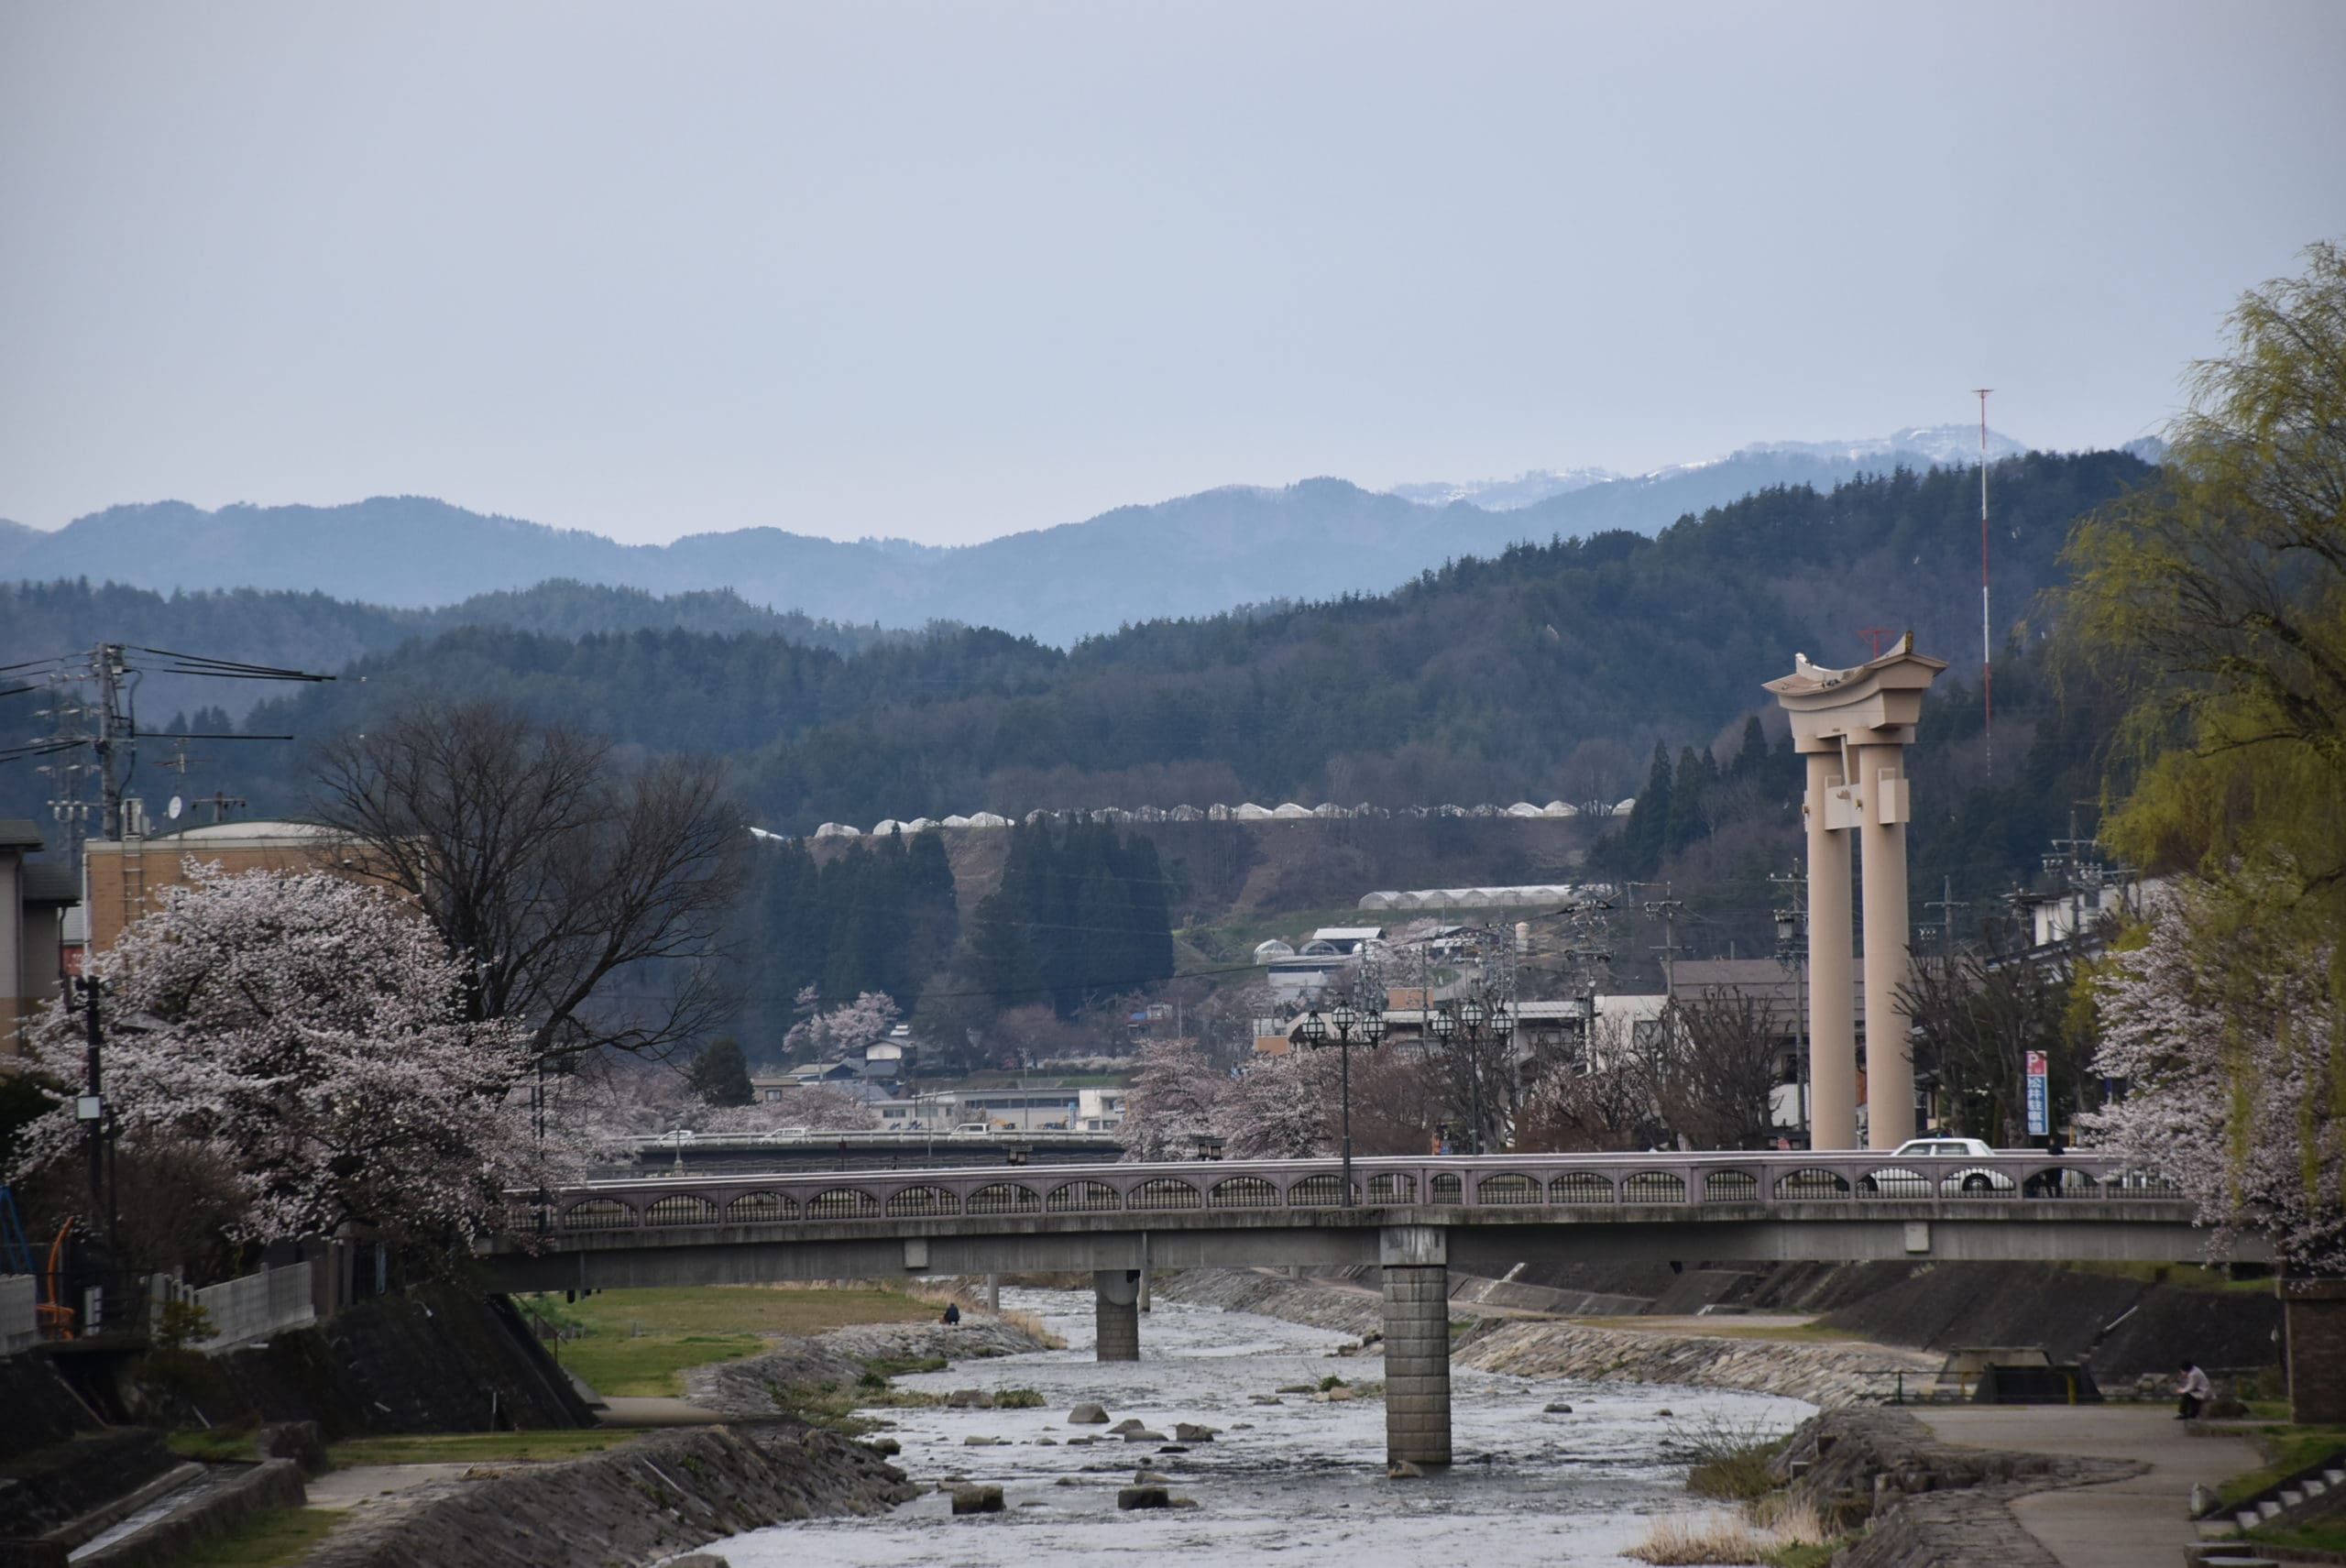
[2215, 600]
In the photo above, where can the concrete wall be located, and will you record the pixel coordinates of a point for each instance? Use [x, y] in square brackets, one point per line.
[19, 1322]
[2316, 1315]
[247, 1311]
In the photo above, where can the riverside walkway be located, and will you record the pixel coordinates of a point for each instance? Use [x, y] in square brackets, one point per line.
[1411, 1217]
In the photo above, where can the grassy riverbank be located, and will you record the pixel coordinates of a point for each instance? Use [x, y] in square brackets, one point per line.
[641, 1342]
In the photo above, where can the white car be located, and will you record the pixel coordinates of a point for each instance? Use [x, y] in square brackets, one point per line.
[680, 1136]
[973, 1129]
[1893, 1183]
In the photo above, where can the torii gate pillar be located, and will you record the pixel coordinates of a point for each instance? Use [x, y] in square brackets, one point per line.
[1852, 727]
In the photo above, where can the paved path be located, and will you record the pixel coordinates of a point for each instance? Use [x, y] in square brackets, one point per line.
[655, 1410]
[362, 1483]
[2144, 1519]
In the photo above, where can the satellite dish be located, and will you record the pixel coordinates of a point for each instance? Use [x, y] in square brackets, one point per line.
[174, 809]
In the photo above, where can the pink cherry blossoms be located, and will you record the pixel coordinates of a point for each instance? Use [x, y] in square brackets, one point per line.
[2227, 1036]
[307, 1031]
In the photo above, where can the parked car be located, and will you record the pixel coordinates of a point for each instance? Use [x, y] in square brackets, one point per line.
[681, 1135]
[972, 1129]
[1890, 1183]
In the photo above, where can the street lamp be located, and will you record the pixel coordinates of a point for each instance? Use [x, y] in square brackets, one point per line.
[1472, 1022]
[1367, 1026]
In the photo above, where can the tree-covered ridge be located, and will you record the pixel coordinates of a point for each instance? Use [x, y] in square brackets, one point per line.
[1541, 673]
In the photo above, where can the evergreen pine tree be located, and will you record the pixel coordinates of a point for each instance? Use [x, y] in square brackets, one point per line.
[720, 1074]
[1644, 837]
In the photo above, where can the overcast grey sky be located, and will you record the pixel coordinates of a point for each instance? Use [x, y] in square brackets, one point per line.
[951, 270]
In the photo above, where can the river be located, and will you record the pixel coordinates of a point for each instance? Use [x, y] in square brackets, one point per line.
[1300, 1482]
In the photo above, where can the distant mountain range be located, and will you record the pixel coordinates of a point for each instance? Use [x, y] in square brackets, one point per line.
[1919, 446]
[1196, 556]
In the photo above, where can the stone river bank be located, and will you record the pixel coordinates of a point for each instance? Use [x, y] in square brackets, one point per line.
[1824, 1373]
[663, 1493]
[745, 1388]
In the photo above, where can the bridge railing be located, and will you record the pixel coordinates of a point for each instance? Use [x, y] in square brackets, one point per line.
[1723, 1178]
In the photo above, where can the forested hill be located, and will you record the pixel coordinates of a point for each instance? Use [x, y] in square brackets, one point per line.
[312, 632]
[1548, 671]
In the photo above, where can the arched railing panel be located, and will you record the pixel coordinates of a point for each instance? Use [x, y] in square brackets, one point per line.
[1653, 1187]
[681, 1209]
[1508, 1188]
[842, 1203]
[1004, 1197]
[759, 1208]
[1811, 1185]
[1894, 1182]
[1083, 1198]
[921, 1203]
[2059, 1181]
[1393, 1186]
[1323, 1191]
[1730, 1187]
[1165, 1192]
[1242, 1192]
[599, 1214]
[1580, 1187]
[1447, 1188]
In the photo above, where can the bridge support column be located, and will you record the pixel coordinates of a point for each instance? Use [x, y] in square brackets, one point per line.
[1417, 1343]
[2313, 1324]
[993, 1292]
[1115, 1313]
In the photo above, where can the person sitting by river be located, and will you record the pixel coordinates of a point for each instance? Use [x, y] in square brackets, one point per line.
[952, 1313]
[2191, 1393]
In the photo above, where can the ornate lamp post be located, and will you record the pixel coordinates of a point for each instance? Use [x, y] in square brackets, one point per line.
[1472, 1022]
[1363, 1025]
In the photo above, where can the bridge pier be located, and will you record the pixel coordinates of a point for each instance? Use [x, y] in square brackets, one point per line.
[1115, 1313]
[1417, 1343]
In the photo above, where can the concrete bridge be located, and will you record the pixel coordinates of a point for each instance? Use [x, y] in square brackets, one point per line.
[1411, 1217]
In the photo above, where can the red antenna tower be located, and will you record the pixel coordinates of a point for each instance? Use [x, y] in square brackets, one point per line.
[1987, 668]
[1877, 633]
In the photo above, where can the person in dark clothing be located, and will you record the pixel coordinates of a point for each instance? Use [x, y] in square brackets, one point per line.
[952, 1311]
[2191, 1393]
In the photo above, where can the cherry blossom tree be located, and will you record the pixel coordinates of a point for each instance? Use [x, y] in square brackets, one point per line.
[637, 1099]
[1280, 1107]
[309, 1033]
[867, 1018]
[1173, 1100]
[2225, 1031]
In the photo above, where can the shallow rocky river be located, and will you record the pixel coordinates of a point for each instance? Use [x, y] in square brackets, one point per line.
[1300, 1481]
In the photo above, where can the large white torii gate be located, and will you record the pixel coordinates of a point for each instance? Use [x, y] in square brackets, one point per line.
[1853, 725]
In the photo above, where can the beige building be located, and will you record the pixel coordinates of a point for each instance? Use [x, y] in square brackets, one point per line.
[124, 876]
[34, 898]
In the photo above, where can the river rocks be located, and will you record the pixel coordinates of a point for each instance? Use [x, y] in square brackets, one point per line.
[745, 1388]
[1143, 1435]
[969, 1400]
[1046, 1442]
[1402, 1470]
[698, 1560]
[1189, 1432]
[977, 1500]
[1558, 1408]
[297, 1441]
[1066, 1481]
[1144, 1497]
[1265, 1400]
[1298, 1388]
[974, 1442]
[1150, 1478]
[1086, 1441]
[1338, 1395]
[1130, 1423]
[887, 1447]
[1175, 1448]
[1087, 1416]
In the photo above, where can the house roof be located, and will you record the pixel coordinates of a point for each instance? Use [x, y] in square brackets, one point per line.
[48, 884]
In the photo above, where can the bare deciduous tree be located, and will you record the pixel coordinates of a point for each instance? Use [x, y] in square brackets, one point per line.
[1715, 1073]
[586, 900]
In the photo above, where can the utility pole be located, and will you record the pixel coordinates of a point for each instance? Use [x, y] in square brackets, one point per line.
[1791, 950]
[1946, 904]
[1986, 671]
[1667, 908]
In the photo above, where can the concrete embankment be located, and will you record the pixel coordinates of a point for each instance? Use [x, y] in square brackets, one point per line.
[746, 1387]
[661, 1495]
[1822, 1374]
